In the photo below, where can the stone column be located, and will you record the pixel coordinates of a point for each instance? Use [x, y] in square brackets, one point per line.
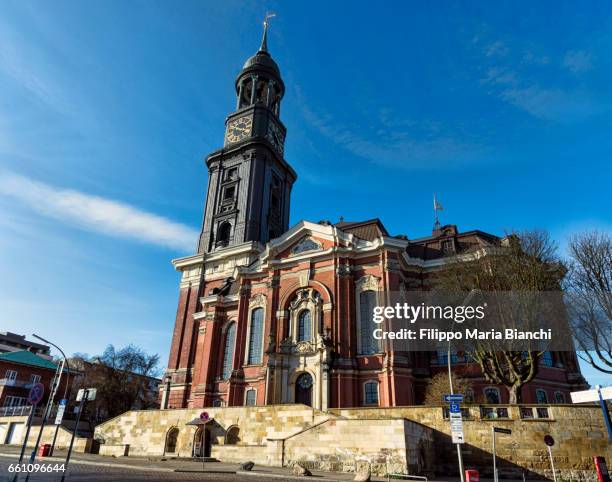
[254, 89]
[240, 92]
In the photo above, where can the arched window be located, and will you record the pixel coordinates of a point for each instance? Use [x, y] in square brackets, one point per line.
[371, 393]
[367, 302]
[559, 397]
[223, 234]
[469, 396]
[547, 359]
[232, 437]
[541, 396]
[250, 398]
[492, 395]
[171, 439]
[304, 331]
[228, 352]
[255, 337]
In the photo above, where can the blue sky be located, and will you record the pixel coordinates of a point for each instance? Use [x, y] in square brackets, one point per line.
[108, 108]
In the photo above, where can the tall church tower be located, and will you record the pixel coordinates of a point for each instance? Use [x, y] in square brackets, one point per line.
[249, 181]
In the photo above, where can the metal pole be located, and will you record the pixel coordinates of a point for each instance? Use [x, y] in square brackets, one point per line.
[25, 440]
[606, 413]
[494, 461]
[552, 464]
[67, 365]
[56, 381]
[202, 447]
[76, 426]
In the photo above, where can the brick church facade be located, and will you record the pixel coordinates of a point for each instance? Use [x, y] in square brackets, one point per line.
[272, 315]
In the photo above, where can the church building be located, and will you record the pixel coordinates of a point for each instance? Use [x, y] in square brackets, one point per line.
[273, 314]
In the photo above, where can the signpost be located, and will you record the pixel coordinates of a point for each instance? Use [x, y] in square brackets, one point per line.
[83, 395]
[599, 394]
[549, 441]
[456, 423]
[35, 395]
[61, 408]
[495, 430]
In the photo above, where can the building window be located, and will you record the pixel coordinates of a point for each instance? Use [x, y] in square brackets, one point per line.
[12, 401]
[217, 402]
[448, 245]
[251, 397]
[228, 352]
[559, 397]
[255, 337]
[541, 396]
[223, 234]
[231, 174]
[11, 375]
[547, 359]
[371, 393]
[492, 395]
[304, 331]
[229, 193]
[34, 379]
[367, 302]
[469, 396]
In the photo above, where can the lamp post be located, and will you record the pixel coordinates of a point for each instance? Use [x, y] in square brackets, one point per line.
[66, 364]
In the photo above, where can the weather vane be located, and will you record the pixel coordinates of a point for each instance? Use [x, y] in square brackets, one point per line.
[268, 16]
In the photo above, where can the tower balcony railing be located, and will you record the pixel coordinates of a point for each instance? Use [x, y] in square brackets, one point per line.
[10, 382]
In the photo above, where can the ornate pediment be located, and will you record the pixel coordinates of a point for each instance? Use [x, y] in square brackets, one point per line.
[305, 245]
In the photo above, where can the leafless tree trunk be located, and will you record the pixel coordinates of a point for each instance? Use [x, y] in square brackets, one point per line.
[590, 297]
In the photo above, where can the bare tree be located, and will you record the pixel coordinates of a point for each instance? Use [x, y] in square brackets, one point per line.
[590, 297]
[524, 265]
[120, 377]
[438, 387]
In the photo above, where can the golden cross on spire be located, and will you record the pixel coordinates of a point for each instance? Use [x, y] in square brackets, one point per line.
[266, 23]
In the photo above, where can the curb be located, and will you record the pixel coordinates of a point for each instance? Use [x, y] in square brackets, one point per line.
[285, 476]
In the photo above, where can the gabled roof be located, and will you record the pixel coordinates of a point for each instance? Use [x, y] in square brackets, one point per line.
[369, 230]
[28, 358]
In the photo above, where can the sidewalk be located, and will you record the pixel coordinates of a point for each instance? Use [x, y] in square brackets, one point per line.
[163, 464]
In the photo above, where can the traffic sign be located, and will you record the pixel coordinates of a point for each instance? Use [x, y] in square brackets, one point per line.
[455, 407]
[61, 408]
[204, 416]
[36, 393]
[548, 440]
[507, 431]
[88, 393]
[453, 398]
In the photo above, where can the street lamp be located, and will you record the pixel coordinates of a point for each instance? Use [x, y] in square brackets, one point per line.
[60, 379]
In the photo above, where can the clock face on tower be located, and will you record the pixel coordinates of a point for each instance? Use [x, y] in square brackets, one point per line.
[238, 129]
[275, 136]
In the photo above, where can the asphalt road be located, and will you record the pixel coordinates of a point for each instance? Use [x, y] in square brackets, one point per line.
[89, 473]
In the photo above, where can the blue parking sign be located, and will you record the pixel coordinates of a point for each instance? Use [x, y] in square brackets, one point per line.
[455, 407]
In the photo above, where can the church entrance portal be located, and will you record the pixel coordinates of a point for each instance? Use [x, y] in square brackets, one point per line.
[303, 389]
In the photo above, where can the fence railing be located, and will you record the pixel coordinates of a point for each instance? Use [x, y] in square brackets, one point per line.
[15, 411]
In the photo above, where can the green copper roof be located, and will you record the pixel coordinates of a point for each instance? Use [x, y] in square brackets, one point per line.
[25, 357]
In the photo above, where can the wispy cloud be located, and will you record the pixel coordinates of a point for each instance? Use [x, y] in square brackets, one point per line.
[396, 142]
[517, 83]
[578, 61]
[95, 213]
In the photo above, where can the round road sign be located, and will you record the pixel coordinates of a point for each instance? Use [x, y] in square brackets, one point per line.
[548, 440]
[204, 416]
[36, 393]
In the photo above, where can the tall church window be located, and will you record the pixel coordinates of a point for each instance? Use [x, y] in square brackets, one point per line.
[251, 397]
[304, 326]
[541, 396]
[547, 359]
[371, 393]
[223, 234]
[367, 302]
[228, 352]
[255, 337]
